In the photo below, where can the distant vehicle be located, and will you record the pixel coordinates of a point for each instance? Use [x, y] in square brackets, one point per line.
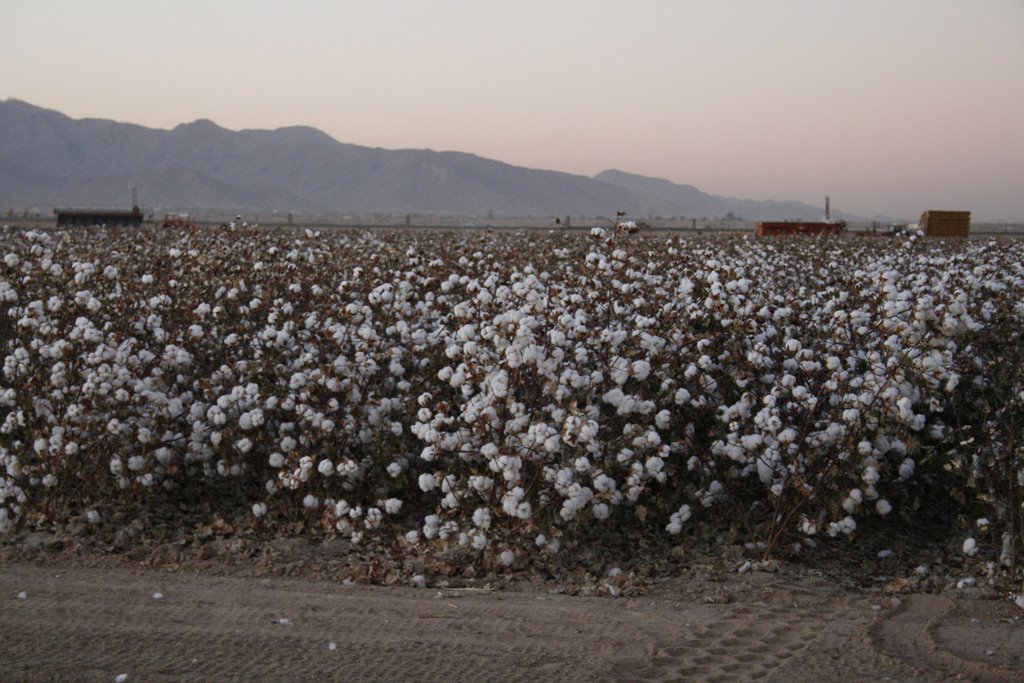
[178, 220]
[802, 228]
[823, 228]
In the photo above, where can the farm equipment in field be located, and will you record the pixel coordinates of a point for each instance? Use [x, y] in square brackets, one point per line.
[178, 220]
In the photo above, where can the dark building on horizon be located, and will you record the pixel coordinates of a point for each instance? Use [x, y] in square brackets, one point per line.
[90, 218]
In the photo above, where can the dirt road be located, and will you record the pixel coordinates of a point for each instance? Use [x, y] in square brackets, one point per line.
[94, 624]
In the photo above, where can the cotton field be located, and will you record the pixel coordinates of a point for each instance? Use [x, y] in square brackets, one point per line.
[509, 392]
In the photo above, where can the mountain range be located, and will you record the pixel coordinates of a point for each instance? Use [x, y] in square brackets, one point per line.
[48, 159]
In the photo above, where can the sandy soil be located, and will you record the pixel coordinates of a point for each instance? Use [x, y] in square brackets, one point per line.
[85, 623]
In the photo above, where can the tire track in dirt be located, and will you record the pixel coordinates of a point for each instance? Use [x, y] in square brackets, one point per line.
[937, 634]
[87, 624]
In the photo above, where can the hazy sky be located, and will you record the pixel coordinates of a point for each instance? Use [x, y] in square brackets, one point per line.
[889, 106]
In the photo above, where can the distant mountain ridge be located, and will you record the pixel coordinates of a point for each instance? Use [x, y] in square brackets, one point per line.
[49, 159]
[670, 199]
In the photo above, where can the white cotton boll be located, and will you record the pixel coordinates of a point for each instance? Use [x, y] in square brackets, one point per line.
[846, 526]
[882, 507]
[158, 596]
[640, 369]
[751, 442]
[654, 465]
[907, 469]
[419, 581]
[600, 511]
[952, 382]
[715, 490]
[906, 408]
[93, 516]
[310, 501]
[678, 519]
[482, 518]
[787, 436]
[412, 537]
[120, 678]
[766, 467]
[244, 445]
[392, 506]
[507, 557]
[332, 646]
[22, 595]
[614, 397]
[373, 518]
[427, 482]
[326, 467]
[603, 483]
[970, 547]
[619, 372]
[276, 460]
[259, 509]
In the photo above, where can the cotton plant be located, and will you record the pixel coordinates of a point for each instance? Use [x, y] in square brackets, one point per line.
[505, 393]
